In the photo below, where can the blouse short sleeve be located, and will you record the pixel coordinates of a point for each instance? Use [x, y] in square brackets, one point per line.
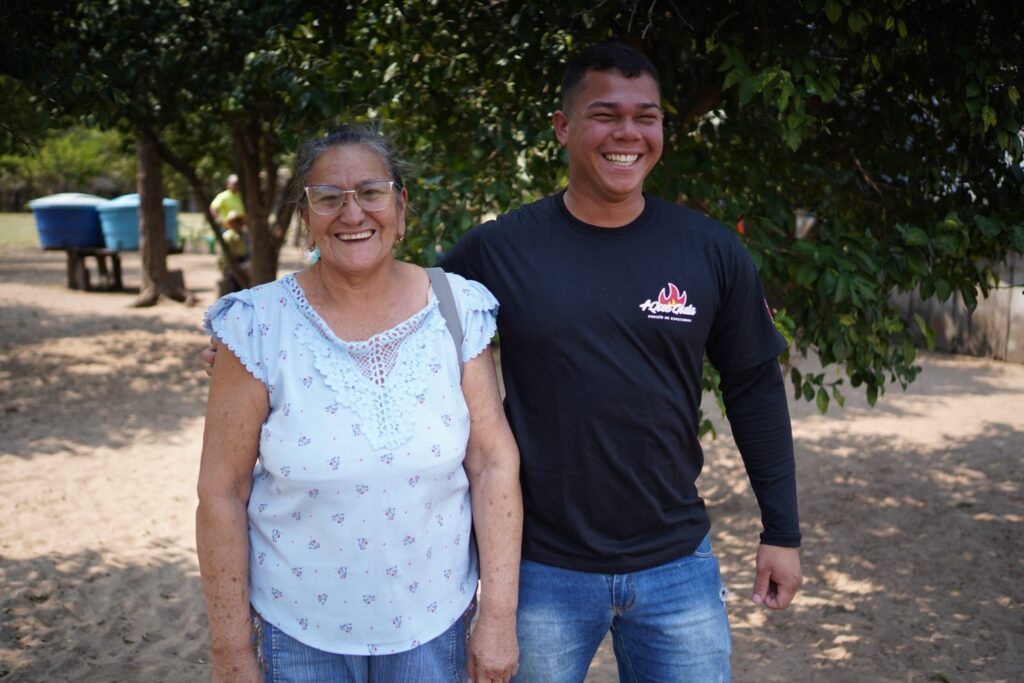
[478, 310]
[232, 319]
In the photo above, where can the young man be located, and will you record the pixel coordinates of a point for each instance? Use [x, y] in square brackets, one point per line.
[609, 300]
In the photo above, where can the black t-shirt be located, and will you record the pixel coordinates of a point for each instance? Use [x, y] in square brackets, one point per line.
[603, 333]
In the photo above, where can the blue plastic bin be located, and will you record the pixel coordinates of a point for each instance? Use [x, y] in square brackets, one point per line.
[119, 219]
[68, 219]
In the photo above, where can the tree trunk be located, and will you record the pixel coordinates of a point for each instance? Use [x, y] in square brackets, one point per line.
[156, 279]
[258, 194]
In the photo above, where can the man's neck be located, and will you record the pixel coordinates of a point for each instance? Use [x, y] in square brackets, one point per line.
[603, 213]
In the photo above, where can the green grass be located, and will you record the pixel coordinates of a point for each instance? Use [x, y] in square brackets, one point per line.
[18, 230]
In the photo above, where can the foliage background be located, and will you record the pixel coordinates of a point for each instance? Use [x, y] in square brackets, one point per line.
[897, 125]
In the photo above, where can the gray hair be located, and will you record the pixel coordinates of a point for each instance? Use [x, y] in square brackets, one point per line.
[349, 134]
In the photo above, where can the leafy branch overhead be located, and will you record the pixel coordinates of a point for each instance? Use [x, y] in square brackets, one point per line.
[888, 132]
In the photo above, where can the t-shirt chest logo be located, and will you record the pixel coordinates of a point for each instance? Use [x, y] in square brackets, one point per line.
[671, 305]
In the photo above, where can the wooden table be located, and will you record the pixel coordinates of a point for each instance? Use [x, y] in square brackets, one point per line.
[108, 272]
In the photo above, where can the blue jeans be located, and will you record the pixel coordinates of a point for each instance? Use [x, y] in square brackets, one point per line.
[668, 623]
[286, 660]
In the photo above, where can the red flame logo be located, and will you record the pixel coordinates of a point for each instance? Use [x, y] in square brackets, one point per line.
[673, 297]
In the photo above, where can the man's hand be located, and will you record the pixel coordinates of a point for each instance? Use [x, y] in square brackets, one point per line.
[778, 576]
[209, 357]
[493, 651]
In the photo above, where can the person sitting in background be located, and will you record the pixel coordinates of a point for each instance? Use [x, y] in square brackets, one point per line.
[234, 238]
[349, 475]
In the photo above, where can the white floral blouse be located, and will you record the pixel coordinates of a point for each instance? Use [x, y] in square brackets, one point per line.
[359, 518]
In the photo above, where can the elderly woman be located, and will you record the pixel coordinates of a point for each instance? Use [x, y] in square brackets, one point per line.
[349, 477]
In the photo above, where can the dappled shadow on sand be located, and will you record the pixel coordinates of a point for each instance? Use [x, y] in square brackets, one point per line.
[148, 616]
[913, 558]
[72, 382]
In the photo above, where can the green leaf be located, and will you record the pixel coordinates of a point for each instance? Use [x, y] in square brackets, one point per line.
[796, 378]
[833, 10]
[808, 390]
[970, 297]
[872, 394]
[822, 400]
[988, 226]
[838, 396]
[915, 236]
[988, 116]
[942, 289]
[806, 274]
[1013, 94]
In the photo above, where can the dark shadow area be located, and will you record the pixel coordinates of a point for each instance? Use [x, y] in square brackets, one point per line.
[89, 619]
[913, 558]
[126, 374]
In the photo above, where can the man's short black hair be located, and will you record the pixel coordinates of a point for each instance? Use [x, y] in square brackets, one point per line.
[605, 57]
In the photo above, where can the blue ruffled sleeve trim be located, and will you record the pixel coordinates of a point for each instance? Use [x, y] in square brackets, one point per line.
[479, 312]
[232, 320]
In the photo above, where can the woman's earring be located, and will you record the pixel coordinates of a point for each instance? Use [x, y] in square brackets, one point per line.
[313, 254]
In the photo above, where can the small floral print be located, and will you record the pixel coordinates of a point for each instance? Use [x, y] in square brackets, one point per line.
[303, 623]
[267, 434]
[392, 571]
[430, 552]
[286, 409]
[451, 475]
[276, 593]
[363, 542]
[435, 368]
[436, 450]
[275, 535]
[313, 493]
[462, 588]
[304, 440]
[413, 586]
[408, 539]
[285, 471]
[297, 571]
[458, 539]
[387, 458]
[307, 381]
[357, 430]
[338, 517]
[372, 648]
[322, 598]
[414, 644]
[432, 608]
[314, 544]
[334, 462]
[446, 420]
[271, 388]
[282, 354]
[332, 408]
[281, 300]
[421, 398]
[429, 504]
[264, 329]
[297, 515]
[261, 507]
[397, 622]
[414, 479]
[342, 572]
[369, 599]
[447, 573]
[261, 557]
[346, 628]
[389, 513]
[440, 519]
[361, 489]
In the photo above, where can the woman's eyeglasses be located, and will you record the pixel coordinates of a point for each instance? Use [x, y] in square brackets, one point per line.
[327, 200]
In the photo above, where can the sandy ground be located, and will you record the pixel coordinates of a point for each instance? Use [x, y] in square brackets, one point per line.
[912, 512]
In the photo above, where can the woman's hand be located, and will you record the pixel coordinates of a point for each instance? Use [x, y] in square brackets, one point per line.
[493, 650]
[209, 357]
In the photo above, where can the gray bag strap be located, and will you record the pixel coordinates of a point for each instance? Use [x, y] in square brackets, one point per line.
[446, 304]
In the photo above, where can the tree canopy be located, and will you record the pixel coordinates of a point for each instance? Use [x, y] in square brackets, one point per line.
[895, 126]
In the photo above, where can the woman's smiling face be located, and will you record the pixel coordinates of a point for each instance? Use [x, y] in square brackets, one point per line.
[353, 239]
